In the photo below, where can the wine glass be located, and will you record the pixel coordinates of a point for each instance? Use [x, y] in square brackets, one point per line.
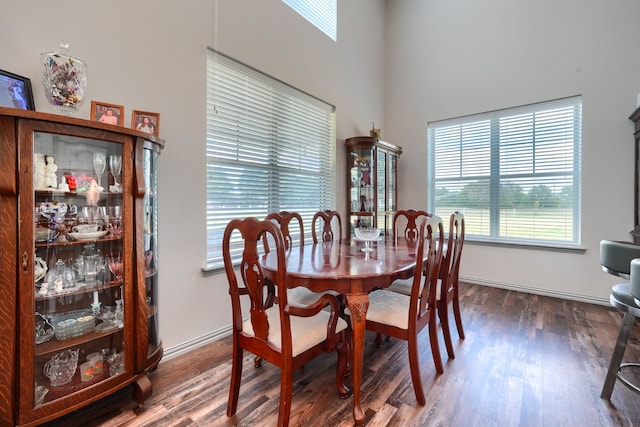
[115, 165]
[367, 234]
[99, 165]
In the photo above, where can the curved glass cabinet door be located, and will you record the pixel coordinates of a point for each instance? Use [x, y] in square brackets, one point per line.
[150, 203]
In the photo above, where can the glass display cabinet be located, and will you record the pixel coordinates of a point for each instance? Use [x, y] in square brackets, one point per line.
[372, 183]
[78, 262]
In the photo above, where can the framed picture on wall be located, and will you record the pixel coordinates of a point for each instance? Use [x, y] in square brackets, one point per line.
[15, 91]
[145, 121]
[110, 114]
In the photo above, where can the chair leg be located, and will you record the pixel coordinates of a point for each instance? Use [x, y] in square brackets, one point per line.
[286, 393]
[435, 346]
[456, 314]
[236, 376]
[443, 314]
[342, 368]
[414, 366]
[616, 357]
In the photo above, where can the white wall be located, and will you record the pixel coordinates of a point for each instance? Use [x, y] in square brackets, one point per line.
[443, 59]
[451, 58]
[151, 56]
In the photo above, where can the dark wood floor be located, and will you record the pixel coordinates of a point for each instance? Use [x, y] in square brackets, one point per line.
[527, 360]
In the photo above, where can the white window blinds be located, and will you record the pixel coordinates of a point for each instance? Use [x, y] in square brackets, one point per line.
[515, 173]
[270, 148]
[321, 13]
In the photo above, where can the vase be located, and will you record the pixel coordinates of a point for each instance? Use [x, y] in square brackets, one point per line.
[64, 79]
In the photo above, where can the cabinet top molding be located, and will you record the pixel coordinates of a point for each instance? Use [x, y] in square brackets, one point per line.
[364, 141]
[56, 118]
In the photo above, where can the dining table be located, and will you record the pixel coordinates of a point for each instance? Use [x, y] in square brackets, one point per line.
[344, 267]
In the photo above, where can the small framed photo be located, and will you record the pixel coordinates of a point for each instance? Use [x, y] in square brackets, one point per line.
[145, 121]
[110, 114]
[15, 91]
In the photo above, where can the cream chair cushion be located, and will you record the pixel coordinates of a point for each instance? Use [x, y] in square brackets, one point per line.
[403, 286]
[305, 331]
[389, 308]
[303, 296]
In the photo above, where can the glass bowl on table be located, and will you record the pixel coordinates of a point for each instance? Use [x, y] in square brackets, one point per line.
[367, 235]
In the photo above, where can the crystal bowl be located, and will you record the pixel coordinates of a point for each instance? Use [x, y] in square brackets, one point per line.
[367, 234]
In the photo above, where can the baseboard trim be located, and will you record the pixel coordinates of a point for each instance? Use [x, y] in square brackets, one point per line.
[536, 291]
[185, 347]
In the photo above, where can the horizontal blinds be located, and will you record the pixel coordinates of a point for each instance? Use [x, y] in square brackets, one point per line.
[321, 13]
[515, 172]
[269, 148]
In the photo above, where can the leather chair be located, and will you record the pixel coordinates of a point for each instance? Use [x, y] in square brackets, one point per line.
[286, 336]
[326, 219]
[621, 259]
[403, 316]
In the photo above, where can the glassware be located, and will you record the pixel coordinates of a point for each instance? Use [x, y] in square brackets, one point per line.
[64, 79]
[99, 165]
[115, 165]
[90, 258]
[62, 366]
[367, 234]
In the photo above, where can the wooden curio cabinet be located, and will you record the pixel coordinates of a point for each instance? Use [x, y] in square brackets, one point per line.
[371, 183]
[78, 264]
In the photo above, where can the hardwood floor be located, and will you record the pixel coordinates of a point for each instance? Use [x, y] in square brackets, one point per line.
[527, 360]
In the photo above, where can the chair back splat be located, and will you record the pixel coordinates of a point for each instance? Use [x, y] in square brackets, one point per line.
[407, 222]
[288, 336]
[329, 230]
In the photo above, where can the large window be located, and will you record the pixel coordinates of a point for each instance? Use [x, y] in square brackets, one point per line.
[270, 148]
[515, 173]
[321, 13]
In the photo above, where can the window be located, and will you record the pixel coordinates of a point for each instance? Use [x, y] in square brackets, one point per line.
[321, 13]
[514, 173]
[270, 148]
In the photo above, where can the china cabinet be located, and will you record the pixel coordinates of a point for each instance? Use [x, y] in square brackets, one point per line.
[635, 233]
[371, 182]
[78, 264]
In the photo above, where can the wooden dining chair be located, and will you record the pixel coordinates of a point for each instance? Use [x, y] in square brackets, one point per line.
[448, 283]
[284, 219]
[407, 221]
[331, 224]
[404, 316]
[285, 335]
[448, 289]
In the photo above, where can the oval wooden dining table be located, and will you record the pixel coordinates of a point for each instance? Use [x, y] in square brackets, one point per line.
[344, 267]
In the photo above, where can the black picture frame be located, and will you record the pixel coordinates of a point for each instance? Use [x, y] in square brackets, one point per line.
[15, 91]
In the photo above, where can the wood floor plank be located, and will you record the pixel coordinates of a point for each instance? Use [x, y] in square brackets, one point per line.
[527, 360]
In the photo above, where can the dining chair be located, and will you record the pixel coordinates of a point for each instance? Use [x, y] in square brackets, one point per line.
[621, 259]
[331, 224]
[407, 221]
[287, 336]
[405, 316]
[283, 219]
[448, 283]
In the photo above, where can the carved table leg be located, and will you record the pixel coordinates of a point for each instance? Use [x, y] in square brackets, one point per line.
[358, 305]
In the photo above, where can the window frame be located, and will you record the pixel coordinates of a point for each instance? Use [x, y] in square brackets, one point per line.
[515, 170]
